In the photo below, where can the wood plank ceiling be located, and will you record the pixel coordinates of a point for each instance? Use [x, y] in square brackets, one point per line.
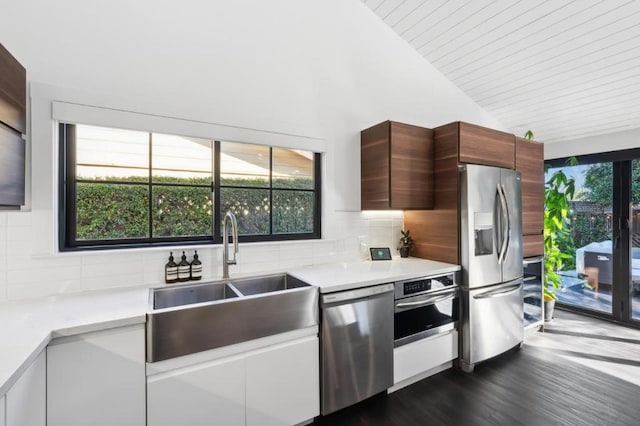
[565, 69]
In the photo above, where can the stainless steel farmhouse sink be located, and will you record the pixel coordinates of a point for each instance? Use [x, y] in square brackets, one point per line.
[195, 317]
[168, 297]
[260, 285]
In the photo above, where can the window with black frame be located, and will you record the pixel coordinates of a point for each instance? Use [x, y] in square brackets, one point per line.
[130, 188]
[600, 273]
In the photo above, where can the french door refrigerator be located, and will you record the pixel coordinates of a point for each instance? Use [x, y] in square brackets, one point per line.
[491, 255]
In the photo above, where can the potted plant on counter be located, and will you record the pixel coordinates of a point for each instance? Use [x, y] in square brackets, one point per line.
[405, 244]
[558, 191]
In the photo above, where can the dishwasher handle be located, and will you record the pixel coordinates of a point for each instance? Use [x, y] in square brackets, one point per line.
[360, 293]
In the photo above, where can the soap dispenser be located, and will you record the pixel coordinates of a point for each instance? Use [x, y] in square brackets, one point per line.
[171, 270]
[184, 269]
[196, 267]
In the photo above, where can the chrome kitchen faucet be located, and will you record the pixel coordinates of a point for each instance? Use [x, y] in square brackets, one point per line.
[225, 243]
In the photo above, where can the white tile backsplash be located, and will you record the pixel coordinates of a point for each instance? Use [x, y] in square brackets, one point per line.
[295, 250]
[3, 280]
[43, 288]
[111, 268]
[104, 257]
[18, 219]
[17, 262]
[112, 281]
[3, 242]
[25, 272]
[37, 275]
[257, 253]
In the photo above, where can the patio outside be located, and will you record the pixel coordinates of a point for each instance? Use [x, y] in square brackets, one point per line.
[587, 276]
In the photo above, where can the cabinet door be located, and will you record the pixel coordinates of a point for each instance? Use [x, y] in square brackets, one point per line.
[210, 393]
[97, 379]
[375, 167]
[283, 384]
[13, 92]
[396, 167]
[26, 403]
[12, 151]
[532, 245]
[479, 145]
[530, 164]
[2, 411]
[411, 167]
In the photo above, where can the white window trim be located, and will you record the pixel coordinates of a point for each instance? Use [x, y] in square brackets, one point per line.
[108, 117]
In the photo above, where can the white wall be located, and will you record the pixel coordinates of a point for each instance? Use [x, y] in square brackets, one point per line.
[322, 69]
[627, 139]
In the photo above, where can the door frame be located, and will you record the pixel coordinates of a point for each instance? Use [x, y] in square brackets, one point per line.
[622, 287]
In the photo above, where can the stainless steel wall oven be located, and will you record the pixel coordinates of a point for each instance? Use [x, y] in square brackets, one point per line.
[424, 307]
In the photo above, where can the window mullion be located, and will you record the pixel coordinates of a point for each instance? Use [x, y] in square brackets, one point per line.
[150, 191]
[217, 214]
[271, 191]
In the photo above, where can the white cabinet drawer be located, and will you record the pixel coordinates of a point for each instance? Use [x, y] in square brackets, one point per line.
[423, 355]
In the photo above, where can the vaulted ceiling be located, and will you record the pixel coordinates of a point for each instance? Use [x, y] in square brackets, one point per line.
[565, 69]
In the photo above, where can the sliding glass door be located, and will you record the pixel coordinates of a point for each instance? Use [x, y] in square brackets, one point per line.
[587, 272]
[634, 236]
[602, 272]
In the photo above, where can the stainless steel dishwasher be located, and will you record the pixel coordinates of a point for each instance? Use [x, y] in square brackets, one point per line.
[357, 345]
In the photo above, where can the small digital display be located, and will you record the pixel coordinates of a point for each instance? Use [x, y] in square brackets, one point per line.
[417, 286]
[380, 253]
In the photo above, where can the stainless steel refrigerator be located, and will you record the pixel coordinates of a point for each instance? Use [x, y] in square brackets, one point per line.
[491, 254]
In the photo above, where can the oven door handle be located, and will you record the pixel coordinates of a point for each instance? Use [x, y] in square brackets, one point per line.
[430, 301]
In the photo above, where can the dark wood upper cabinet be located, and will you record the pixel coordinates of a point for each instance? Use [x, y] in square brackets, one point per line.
[13, 92]
[530, 164]
[480, 145]
[13, 124]
[12, 149]
[396, 167]
[436, 232]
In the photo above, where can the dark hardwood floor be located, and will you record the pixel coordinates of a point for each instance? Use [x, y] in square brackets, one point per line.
[580, 371]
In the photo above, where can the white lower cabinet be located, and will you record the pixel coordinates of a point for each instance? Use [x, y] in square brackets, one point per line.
[275, 384]
[26, 401]
[283, 384]
[210, 393]
[421, 356]
[97, 379]
[2, 411]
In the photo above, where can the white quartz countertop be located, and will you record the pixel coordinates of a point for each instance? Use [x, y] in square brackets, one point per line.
[349, 275]
[28, 326]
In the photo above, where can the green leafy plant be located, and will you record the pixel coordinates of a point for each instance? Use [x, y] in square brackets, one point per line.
[528, 135]
[406, 241]
[559, 190]
[120, 211]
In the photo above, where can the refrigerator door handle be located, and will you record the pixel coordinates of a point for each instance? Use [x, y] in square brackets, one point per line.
[500, 293]
[504, 225]
[497, 222]
[507, 223]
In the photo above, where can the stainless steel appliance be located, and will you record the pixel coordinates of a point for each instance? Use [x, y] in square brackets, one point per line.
[533, 292]
[356, 338]
[491, 253]
[424, 307]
